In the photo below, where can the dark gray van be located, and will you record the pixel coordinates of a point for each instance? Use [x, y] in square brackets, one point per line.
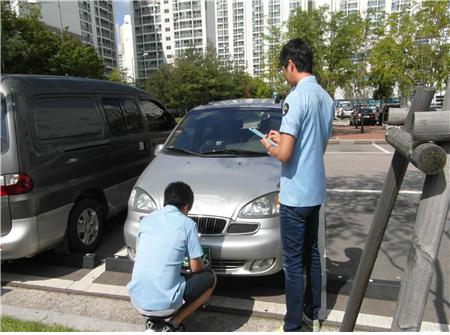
[71, 151]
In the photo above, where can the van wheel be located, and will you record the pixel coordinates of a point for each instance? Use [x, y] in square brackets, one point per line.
[85, 225]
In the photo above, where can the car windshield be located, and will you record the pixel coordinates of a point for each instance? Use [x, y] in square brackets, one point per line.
[224, 131]
[4, 128]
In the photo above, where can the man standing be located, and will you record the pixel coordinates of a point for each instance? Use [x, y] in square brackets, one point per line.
[165, 237]
[308, 113]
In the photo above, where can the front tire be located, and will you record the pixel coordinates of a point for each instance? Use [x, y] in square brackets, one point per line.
[85, 225]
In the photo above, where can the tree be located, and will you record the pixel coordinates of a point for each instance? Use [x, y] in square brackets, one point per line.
[118, 76]
[196, 78]
[29, 47]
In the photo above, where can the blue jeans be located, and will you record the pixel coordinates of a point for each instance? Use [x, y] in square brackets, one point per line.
[299, 229]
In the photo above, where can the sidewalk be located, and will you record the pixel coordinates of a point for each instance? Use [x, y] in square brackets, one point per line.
[342, 131]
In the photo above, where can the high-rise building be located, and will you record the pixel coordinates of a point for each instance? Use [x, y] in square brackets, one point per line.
[92, 21]
[126, 49]
[164, 29]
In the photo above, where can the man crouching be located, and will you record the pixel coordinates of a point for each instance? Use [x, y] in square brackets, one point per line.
[157, 288]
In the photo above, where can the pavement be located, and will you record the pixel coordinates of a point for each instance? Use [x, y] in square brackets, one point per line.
[356, 175]
[343, 132]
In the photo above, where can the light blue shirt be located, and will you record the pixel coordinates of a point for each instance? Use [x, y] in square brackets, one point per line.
[308, 113]
[164, 238]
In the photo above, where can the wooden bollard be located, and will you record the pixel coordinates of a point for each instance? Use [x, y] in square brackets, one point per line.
[394, 179]
[434, 126]
[396, 116]
[427, 157]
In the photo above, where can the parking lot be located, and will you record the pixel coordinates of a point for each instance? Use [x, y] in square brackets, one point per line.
[356, 174]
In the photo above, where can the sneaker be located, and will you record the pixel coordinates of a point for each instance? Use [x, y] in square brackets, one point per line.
[313, 324]
[154, 325]
[168, 327]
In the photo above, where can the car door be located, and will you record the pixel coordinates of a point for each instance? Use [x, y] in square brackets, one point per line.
[131, 149]
[159, 122]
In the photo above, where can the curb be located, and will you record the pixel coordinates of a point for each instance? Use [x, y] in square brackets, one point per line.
[356, 141]
[365, 322]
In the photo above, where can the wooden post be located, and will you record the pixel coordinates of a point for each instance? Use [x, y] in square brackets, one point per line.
[433, 126]
[427, 157]
[396, 116]
[396, 173]
[430, 223]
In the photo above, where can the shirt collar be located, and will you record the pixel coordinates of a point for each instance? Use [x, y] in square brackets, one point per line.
[308, 79]
[171, 208]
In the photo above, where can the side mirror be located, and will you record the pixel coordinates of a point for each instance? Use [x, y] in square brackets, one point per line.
[158, 149]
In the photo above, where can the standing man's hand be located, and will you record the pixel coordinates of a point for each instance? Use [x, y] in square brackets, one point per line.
[196, 264]
[274, 136]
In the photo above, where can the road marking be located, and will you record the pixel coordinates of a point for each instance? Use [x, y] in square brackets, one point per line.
[381, 148]
[337, 190]
[88, 279]
[355, 152]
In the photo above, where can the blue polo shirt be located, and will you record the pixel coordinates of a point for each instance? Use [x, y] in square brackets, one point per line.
[164, 238]
[308, 113]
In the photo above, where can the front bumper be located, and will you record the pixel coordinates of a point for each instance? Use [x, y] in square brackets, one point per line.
[231, 254]
[21, 241]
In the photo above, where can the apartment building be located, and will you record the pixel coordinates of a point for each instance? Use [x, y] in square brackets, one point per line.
[92, 21]
[164, 29]
[126, 49]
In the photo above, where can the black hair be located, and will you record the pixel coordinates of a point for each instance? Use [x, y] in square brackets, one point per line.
[300, 54]
[179, 195]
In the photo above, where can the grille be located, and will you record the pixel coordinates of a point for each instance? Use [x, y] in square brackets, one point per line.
[221, 266]
[207, 225]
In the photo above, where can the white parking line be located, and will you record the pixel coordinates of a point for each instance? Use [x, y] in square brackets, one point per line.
[381, 148]
[337, 190]
[356, 152]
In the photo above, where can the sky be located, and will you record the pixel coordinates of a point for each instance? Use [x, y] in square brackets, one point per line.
[121, 8]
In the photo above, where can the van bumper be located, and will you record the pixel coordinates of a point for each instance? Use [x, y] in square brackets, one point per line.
[21, 241]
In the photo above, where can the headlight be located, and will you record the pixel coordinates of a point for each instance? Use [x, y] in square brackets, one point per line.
[140, 201]
[265, 206]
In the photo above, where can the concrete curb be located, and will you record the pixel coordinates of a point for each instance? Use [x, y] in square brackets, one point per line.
[365, 322]
[357, 141]
[80, 323]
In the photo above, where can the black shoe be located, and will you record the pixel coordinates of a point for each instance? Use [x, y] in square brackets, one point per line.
[154, 325]
[168, 327]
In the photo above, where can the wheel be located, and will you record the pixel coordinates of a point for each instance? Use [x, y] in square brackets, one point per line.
[85, 225]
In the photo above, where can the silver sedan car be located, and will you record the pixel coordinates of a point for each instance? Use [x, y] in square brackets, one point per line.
[235, 185]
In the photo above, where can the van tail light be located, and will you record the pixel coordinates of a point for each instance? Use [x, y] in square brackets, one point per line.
[14, 184]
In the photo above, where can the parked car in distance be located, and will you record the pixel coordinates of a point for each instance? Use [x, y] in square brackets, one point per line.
[363, 113]
[71, 151]
[235, 185]
[344, 110]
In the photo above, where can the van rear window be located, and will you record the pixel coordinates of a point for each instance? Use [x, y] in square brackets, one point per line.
[66, 117]
[4, 127]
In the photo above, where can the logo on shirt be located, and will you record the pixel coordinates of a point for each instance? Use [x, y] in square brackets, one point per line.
[285, 109]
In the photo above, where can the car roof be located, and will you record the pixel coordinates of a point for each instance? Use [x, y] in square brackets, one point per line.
[240, 103]
[44, 83]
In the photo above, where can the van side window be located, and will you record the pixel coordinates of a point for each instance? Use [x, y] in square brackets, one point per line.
[64, 117]
[157, 119]
[132, 115]
[114, 116]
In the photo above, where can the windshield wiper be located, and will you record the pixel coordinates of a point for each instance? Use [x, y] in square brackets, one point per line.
[236, 152]
[172, 148]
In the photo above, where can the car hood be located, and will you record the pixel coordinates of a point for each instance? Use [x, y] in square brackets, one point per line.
[221, 185]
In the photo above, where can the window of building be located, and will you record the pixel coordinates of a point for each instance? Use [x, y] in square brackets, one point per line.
[166, 20]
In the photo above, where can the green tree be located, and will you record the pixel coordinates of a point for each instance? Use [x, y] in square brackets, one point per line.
[29, 47]
[76, 59]
[117, 76]
[196, 78]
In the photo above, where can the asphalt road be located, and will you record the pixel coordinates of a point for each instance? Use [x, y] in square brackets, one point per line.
[356, 175]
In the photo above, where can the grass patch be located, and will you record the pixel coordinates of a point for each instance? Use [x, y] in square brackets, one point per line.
[9, 324]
